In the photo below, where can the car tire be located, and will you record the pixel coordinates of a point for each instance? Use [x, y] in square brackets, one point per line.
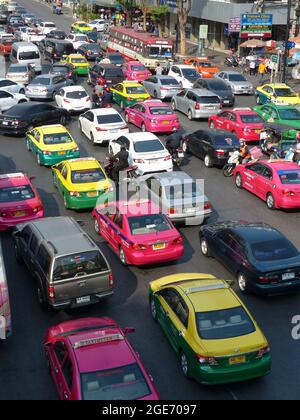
[19, 259]
[144, 128]
[174, 107]
[185, 147]
[40, 295]
[80, 126]
[92, 138]
[127, 118]
[153, 309]
[212, 125]
[271, 204]
[243, 283]
[207, 161]
[122, 256]
[28, 145]
[22, 101]
[190, 115]
[110, 150]
[205, 248]
[184, 365]
[239, 181]
[97, 226]
[122, 106]
[258, 102]
[38, 159]
[66, 203]
[63, 120]
[22, 92]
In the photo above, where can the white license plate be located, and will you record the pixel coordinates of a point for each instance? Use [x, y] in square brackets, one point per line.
[189, 211]
[84, 299]
[288, 276]
[108, 81]
[226, 102]
[4, 122]
[114, 131]
[181, 155]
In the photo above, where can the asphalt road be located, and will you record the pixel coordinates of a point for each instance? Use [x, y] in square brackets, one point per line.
[22, 364]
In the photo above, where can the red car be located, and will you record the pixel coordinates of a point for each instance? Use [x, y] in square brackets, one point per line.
[244, 122]
[19, 200]
[91, 359]
[276, 182]
[5, 47]
[138, 232]
[154, 116]
[134, 70]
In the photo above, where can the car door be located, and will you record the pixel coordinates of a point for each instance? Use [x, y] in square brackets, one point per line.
[62, 369]
[205, 147]
[7, 100]
[140, 115]
[87, 123]
[59, 98]
[267, 181]
[61, 174]
[254, 180]
[220, 247]
[221, 120]
[133, 112]
[23, 245]
[115, 231]
[190, 102]
[35, 140]
[179, 98]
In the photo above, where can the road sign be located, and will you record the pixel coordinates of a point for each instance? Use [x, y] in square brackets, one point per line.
[203, 32]
[234, 25]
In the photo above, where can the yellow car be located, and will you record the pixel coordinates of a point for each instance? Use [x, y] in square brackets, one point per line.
[277, 93]
[216, 339]
[81, 27]
[129, 93]
[82, 183]
[51, 144]
[79, 62]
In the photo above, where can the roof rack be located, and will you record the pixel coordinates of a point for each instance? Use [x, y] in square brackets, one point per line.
[98, 340]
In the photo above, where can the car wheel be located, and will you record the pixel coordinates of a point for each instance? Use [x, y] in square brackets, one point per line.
[66, 203]
[190, 115]
[28, 145]
[174, 107]
[122, 106]
[63, 120]
[258, 100]
[38, 159]
[185, 147]
[40, 296]
[96, 226]
[144, 128]
[127, 118]
[110, 150]
[270, 201]
[122, 256]
[22, 101]
[205, 247]
[239, 181]
[243, 283]
[153, 308]
[79, 126]
[212, 125]
[92, 138]
[184, 365]
[208, 162]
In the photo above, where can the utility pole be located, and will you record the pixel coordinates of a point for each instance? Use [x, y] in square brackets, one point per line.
[287, 37]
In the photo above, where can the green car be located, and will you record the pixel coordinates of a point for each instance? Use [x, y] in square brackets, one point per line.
[279, 114]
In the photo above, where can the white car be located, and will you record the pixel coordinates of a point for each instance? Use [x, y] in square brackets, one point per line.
[73, 98]
[185, 75]
[47, 27]
[146, 152]
[99, 25]
[32, 35]
[101, 125]
[7, 99]
[5, 36]
[11, 86]
[78, 40]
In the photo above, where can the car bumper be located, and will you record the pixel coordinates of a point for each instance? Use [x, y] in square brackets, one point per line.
[53, 160]
[243, 91]
[70, 304]
[149, 169]
[205, 114]
[21, 80]
[167, 128]
[81, 203]
[208, 375]
[78, 109]
[13, 131]
[6, 224]
[173, 253]
[288, 203]
[107, 136]
[281, 288]
[192, 220]
[38, 95]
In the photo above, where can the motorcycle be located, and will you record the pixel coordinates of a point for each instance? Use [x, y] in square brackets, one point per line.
[126, 175]
[178, 156]
[231, 61]
[234, 160]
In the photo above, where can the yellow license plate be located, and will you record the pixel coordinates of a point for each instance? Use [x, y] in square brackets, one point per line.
[237, 360]
[166, 122]
[93, 194]
[258, 131]
[20, 213]
[61, 153]
[159, 246]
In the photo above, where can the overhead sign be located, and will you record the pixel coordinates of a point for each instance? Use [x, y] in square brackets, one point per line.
[234, 25]
[203, 32]
[258, 25]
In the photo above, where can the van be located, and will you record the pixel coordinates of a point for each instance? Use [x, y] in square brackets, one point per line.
[68, 268]
[5, 315]
[26, 53]
[56, 49]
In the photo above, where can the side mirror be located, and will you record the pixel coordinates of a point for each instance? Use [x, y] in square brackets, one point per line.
[128, 330]
[32, 178]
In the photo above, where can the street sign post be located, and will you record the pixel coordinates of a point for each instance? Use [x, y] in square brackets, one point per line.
[203, 34]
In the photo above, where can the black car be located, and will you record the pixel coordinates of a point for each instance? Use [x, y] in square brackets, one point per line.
[57, 35]
[263, 260]
[90, 51]
[115, 58]
[4, 15]
[213, 146]
[64, 69]
[105, 74]
[20, 118]
[219, 87]
[56, 49]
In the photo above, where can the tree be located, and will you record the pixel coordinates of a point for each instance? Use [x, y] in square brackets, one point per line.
[128, 6]
[159, 13]
[184, 8]
[143, 4]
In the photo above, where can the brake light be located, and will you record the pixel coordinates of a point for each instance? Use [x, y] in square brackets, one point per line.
[288, 193]
[247, 130]
[263, 352]
[51, 293]
[76, 149]
[138, 161]
[15, 122]
[178, 241]
[197, 106]
[37, 209]
[74, 194]
[268, 279]
[206, 360]
[207, 206]
[101, 81]
[172, 210]
[220, 152]
[100, 129]
[111, 281]
[169, 157]
[139, 247]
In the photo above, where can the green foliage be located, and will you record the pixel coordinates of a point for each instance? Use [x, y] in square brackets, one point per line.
[127, 5]
[159, 13]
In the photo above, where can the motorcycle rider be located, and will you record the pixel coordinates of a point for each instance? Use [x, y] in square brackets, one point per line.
[120, 163]
[173, 142]
[245, 154]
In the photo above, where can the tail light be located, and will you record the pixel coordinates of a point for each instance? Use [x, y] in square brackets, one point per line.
[100, 129]
[176, 121]
[109, 190]
[138, 161]
[207, 206]
[263, 352]
[100, 81]
[268, 279]
[220, 152]
[111, 281]
[51, 293]
[76, 149]
[169, 157]
[15, 122]
[47, 153]
[288, 193]
[180, 150]
[197, 106]
[37, 209]
[172, 210]
[139, 247]
[206, 360]
[67, 101]
[74, 194]
[178, 241]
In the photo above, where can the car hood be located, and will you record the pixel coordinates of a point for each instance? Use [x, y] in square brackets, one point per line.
[241, 84]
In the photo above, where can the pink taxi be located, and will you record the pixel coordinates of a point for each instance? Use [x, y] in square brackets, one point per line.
[19, 200]
[134, 70]
[138, 232]
[154, 116]
[91, 359]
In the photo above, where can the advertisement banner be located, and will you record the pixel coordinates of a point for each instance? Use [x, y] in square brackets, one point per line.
[234, 25]
[258, 25]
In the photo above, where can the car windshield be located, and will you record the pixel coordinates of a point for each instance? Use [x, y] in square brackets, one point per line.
[152, 223]
[147, 146]
[117, 72]
[285, 92]
[138, 68]
[93, 47]
[29, 55]
[76, 95]
[82, 25]
[135, 90]
[205, 64]
[86, 176]
[78, 60]
[58, 138]
[109, 119]
[160, 110]
[11, 194]
[121, 383]
[289, 176]
[169, 82]
[251, 119]
[190, 74]
[224, 324]
[185, 190]
[44, 81]
[17, 69]
[237, 78]
[209, 100]
[273, 250]
[117, 59]
[289, 114]
[84, 263]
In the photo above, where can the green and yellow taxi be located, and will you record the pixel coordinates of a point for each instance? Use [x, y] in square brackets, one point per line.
[51, 144]
[81, 27]
[129, 93]
[277, 93]
[213, 334]
[82, 183]
[79, 62]
[279, 114]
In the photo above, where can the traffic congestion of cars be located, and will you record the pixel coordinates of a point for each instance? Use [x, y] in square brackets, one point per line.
[52, 78]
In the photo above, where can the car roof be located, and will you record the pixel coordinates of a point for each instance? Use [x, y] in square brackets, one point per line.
[137, 208]
[155, 102]
[51, 129]
[202, 92]
[171, 176]
[105, 111]
[76, 56]
[282, 164]
[217, 132]
[16, 178]
[276, 85]
[75, 88]
[134, 137]
[82, 163]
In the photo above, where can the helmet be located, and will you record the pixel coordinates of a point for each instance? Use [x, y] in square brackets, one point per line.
[242, 142]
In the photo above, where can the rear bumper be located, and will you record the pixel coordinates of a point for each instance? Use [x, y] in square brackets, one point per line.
[276, 288]
[204, 114]
[13, 131]
[12, 222]
[288, 203]
[142, 170]
[168, 128]
[107, 136]
[81, 203]
[82, 72]
[195, 220]
[155, 257]
[49, 161]
[71, 304]
[33, 95]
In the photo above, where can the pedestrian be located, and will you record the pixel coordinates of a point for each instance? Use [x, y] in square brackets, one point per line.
[262, 69]
[252, 67]
[243, 63]
[159, 70]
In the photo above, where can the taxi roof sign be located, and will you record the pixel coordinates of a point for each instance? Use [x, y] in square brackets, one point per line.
[207, 288]
[13, 175]
[98, 340]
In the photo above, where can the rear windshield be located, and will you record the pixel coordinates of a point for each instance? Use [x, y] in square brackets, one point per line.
[187, 190]
[289, 114]
[138, 68]
[237, 78]
[190, 74]
[147, 146]
[114, 72]
[109, 119]
[77, 95]
[160, 110]
[285, 92]
[17, 69]
[57, 138]
[85, 176]
[11, 194]
[78, 60]
[64, 48]
[226, 141]
[169, 82]
[29, 55]
[41, 81]
[125, 383]
[289, 177]
[250, 119]
[154, 223]
[82, 38]
[135, 90]
[274, 250]
[116, 59]
[93, 47]
[83, 263]
[224, 324]
[49, 25]
[209, 100]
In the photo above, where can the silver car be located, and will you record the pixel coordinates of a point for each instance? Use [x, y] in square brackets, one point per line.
[162, 87]
[196, 103]
[20, 73]
[177, 194]
[46, 86]
[237, 81]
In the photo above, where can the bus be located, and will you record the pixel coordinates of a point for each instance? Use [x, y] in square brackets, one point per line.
[147, 48]
[5, 314]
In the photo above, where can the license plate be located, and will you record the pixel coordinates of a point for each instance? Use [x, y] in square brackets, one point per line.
[165, 122]
[20, 213]
[157, 247]
[189, 210]
[237, 360]
[84, 299]
[114, 131]
[61, 153]
[288, 276]
[226, 102]
[92, 194]
[108, 81]
[181, 155]
[257, 131]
